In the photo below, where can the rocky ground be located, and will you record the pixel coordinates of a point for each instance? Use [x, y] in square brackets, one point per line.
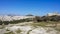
[26, 28]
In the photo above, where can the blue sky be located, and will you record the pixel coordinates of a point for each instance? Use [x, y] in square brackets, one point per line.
[24, 7]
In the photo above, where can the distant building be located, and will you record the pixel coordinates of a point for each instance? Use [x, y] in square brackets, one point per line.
[51, 14]
[11, 18]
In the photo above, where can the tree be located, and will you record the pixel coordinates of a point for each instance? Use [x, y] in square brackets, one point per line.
[37, 19]
[1, 23]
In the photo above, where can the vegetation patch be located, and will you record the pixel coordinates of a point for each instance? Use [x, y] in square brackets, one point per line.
[39, 24]
[58, 29]
[18, 31]
[9, 32]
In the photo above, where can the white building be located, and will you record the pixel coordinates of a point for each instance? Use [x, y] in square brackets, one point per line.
[11, 18]
[51, 14]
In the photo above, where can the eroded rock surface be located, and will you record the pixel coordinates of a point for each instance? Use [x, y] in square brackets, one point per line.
[28, 29]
